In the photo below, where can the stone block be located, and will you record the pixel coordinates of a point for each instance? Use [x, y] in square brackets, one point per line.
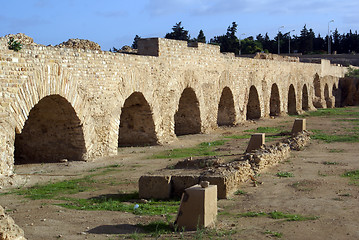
[226, 185]
[299, 125]
[256, 141]
[180, 183]
[158, 187]
[198, 208]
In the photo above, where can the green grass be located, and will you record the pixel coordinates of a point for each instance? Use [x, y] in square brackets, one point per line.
[330, 163]
[353, 176]
[240, 192]
[202, 149]
[52, 190]
[333, 150]
[264, 130]
[284, 174]
[279, 215]
[274, 234]
[333, 112]
[156, 228]
[121, 203]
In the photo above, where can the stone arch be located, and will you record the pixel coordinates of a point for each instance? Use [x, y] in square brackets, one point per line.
[226, 113]
[328, 100]
[136, 122]
[52, 132]
[187, 118]
[305, 98]
[292, 103]
[274, 102]
[253, 105]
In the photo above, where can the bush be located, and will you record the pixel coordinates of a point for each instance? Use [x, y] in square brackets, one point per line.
[14, 45]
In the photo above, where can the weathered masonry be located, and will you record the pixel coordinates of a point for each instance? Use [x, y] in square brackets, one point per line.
[76, 104]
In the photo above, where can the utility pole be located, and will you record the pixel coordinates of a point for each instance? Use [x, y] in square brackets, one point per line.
[279, 40]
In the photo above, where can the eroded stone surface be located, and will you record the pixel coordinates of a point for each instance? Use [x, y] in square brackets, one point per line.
[8, 229]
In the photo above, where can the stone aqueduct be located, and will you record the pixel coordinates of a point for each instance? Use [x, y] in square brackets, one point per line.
[77, 104]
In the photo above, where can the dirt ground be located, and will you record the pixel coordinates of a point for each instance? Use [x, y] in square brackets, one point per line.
[317, 189]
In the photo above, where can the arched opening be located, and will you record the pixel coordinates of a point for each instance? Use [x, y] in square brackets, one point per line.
[188, 118]
[328, 100]
[292, 104]
[274, 102]
[253, 106]
[52, 132]
[226, 114]
[305, 98]
[136, 122]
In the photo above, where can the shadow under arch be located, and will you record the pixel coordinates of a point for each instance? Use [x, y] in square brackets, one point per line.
[136, 122]
[292, 103]
[253, 105]
[226, 115]
[274, 102]
[52, 132]
[305, 98]
[187, 118]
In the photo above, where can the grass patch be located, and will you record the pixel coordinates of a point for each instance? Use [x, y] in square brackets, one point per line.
[333, 150]
[240, 192]
[122, 203]
[264, 130]
[330, 163]
[353, 176]
[333, 112]
[279, 215]
[319, 135]
[284, 174]
[202, 149]
[273, 234]
[156, 228]
[52, 190]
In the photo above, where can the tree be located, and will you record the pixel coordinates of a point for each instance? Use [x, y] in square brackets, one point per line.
[250, 46]
[228, 42]
[178, 33]
[135, 40]
[201, 37]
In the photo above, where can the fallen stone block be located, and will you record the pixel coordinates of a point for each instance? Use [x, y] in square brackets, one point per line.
[158, 187]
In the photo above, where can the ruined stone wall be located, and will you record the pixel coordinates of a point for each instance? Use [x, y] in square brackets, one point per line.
[96, 85]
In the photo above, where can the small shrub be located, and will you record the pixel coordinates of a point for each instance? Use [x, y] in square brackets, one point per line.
[285, 174]
[14, 45]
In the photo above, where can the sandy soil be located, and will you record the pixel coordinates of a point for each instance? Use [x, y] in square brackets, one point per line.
[316, 189]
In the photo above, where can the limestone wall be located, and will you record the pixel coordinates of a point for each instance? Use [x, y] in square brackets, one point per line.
[95, 85]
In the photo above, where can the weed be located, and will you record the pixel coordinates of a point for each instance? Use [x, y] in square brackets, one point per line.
[302, 186]
[322, 174]
[156, 228]
[279, 215]
[14, 45]
[333, 150]
[353, 176]
[240, 192]
[274, 234]
[284, 174]
[253, 214]
[352, 72]
[330, 163]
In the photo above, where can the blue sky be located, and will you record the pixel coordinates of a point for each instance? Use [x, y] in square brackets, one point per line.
[113, 23]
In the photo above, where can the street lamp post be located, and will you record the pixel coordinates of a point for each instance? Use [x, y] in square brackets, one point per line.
[289, 40]
[279, 40]
[240, 44]
[329, 38]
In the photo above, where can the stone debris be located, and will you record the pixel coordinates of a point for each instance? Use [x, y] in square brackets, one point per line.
[80, 44]
[8, 229]
[276, 57]
[22, 38]
[227, 176]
